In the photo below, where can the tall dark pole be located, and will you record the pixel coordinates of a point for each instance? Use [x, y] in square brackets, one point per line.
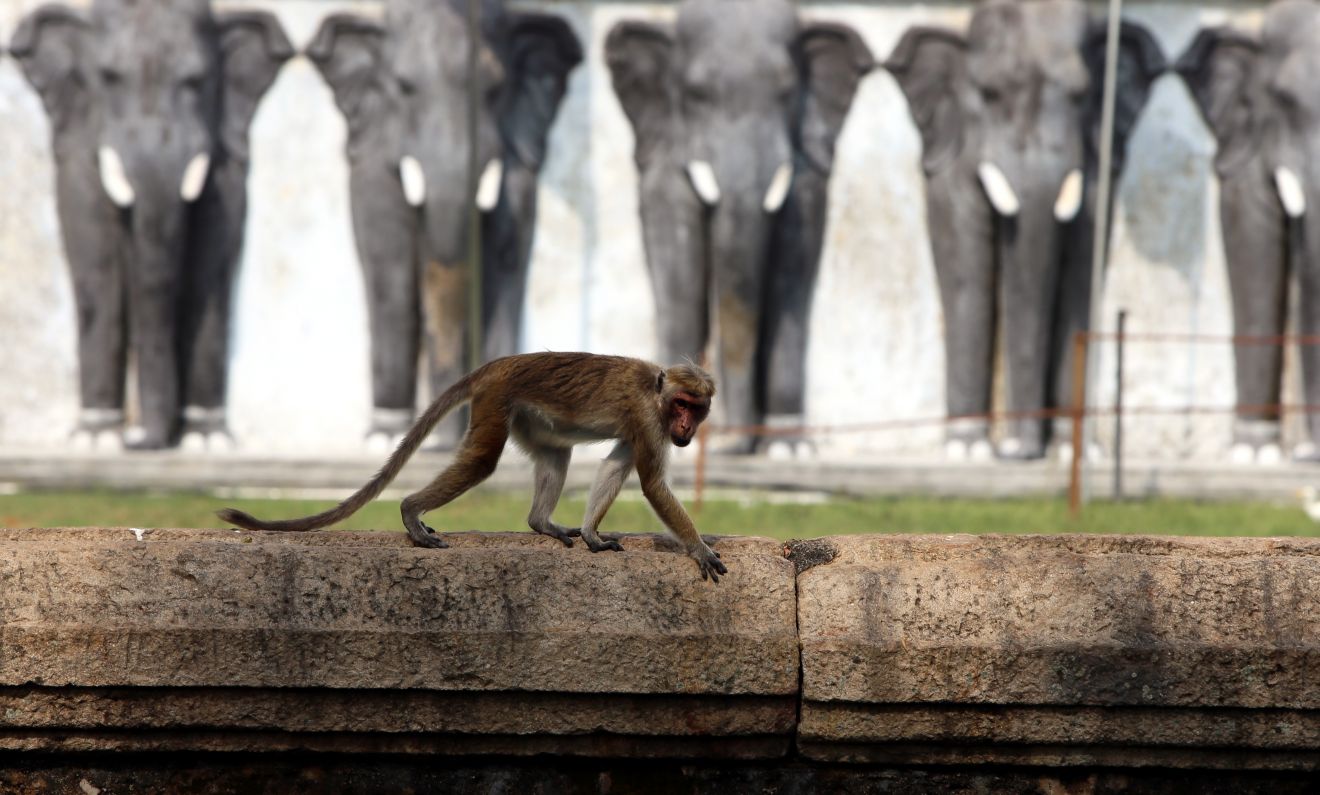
[1118, 407]
[474, 213]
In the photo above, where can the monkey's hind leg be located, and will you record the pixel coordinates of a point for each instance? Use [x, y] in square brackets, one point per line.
[474, 461]
[550, 466]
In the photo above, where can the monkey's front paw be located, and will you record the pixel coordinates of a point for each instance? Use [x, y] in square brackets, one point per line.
[708, 562]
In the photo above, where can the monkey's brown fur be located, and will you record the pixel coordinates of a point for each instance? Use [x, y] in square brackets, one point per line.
[549, 402]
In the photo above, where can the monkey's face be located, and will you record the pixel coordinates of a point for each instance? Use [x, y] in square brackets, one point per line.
[686, 413]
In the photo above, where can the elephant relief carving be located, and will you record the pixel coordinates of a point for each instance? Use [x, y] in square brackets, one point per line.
[1260, 98]
[736, 109]
[149, 106]
[402, 86]
[1009, 118]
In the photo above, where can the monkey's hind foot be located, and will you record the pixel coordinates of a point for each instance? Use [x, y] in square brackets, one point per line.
[555, 531]
[598, 542]
[423, 535]
[605, 544]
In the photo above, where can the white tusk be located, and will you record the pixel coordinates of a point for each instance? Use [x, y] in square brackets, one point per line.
[703, 180]
[488, 187]
[778, 190]
[1290, 192]
[414, 181]
[113, 178]
[1069, 202]
[194, 176]
[996, 186]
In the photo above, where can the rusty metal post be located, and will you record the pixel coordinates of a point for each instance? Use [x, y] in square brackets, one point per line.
[1078, 413]
[703, 436]
[699, 479]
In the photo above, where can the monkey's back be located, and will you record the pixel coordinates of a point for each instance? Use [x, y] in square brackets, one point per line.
[569, 385]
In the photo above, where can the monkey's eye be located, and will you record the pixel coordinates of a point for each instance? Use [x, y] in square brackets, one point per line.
[682, 404]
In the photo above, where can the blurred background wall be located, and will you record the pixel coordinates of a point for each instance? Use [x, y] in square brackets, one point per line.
[299, 372]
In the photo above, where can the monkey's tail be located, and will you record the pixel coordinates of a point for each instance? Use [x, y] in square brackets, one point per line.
[453, 397]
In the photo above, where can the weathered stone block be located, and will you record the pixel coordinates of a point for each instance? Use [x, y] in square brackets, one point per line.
[502, 642]
[1060, 649]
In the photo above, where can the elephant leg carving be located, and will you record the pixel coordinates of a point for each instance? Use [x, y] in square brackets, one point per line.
[213, 248]
[96, 267]
[1306, 255]
[385, 228]
[795, 263]
[1072, 315]
[965, 270]
[445, 308]
[1255, 250]
[506, 242]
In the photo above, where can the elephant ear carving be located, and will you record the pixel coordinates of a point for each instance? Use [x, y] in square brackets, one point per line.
[50, 46]
[1140, 62]
[542, 51]
[1218, 69]
[639, 56]
[832, 59]
[930, 65]
[253, 47]
[347, 52]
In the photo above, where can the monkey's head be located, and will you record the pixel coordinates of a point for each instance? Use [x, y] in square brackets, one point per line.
[685, 391]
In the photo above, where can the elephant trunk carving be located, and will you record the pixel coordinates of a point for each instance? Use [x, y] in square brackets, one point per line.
[745, 165]
[1030, 244]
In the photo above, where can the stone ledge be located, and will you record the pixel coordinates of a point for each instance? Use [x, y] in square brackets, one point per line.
[1060, 650]
[1029, 651]
[220, 640]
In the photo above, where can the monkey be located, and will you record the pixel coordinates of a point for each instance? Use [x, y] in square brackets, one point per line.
[549, 402]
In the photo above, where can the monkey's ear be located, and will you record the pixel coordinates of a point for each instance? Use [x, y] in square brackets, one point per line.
[660, 382]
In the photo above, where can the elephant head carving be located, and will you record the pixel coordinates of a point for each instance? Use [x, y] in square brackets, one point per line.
[402, 86]
[736, 109]
[1259, 96]
[1009, 118]
[149, 107]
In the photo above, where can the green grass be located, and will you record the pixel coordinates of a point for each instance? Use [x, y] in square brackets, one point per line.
[491, 510]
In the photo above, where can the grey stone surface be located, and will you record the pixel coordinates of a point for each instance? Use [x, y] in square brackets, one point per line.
[1093, 650]
[508, 612]
[1097, 653]
[502, 644]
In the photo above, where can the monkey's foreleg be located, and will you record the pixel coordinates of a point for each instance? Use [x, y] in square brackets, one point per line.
[666, 506]
[613, 472]
[549, 468]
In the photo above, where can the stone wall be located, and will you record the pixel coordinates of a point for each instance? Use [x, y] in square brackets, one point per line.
[1013, 658]
[299, 361]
